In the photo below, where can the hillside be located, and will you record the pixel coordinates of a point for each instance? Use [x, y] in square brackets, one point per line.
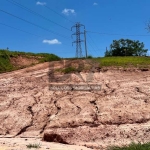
[14, 60]
[117, 114]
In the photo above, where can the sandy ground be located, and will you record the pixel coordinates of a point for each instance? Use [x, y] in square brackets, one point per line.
[118, 113]
[21, 144]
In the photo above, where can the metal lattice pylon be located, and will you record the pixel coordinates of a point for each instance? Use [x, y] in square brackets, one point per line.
[78, 39]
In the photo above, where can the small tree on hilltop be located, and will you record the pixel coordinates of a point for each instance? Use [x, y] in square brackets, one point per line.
[126, 47]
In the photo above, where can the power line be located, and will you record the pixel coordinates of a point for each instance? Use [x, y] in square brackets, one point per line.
[93, 41]
[59, 14]
[114, 34]
[35, 13]
[26, 31]
[91, 47]
[19, 29]
[34, 24]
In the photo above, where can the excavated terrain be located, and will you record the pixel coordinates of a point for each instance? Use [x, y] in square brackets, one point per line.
[117, 114]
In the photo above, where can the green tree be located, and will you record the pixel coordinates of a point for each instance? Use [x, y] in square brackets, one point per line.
[126, 47]
[108, 53]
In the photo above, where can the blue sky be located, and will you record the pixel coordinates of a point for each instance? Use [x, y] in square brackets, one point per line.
[51, 31]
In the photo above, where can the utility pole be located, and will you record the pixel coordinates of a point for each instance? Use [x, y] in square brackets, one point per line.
[86, 54]
[78, 39]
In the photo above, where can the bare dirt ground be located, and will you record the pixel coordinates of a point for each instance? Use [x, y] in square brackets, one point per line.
[117, 114]
[21, 144]
[20, 61]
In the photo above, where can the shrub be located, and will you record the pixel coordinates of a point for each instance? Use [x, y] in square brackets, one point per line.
[69, 70]
[89, 56]
[33, 146]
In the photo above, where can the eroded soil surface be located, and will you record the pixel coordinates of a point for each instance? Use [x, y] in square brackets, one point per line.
[117, 114]
[23, 143]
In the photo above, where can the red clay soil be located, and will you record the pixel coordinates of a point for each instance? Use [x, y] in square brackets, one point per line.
[117, 114]
[21, 61]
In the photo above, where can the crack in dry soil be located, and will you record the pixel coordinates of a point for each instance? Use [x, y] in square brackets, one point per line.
[29, 108]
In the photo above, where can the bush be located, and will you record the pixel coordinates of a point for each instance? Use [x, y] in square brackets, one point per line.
[69, 70]
[5, 64]
[89, 56]
[48, 57]
[33, 146]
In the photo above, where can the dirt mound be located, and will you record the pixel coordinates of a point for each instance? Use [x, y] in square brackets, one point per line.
[20, 61]
[119, 113]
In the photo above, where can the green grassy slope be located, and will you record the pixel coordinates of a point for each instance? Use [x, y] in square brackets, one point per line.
[5, 59]
[124, 61]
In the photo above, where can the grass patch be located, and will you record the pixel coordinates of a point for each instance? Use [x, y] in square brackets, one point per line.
[133, 146]
[5, 64]
[125, 62]
[66, 70]
[33, 146]
[45, 57]
[70, 69]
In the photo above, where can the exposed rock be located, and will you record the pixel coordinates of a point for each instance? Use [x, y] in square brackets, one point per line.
[54, 138]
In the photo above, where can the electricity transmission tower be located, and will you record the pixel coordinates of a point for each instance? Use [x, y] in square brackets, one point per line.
[78, 39]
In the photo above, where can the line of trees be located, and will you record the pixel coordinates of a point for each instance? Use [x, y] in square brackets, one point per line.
[126, 47]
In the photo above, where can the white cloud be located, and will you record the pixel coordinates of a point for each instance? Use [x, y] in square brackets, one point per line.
[95, 4]
[40, 3]
[68, 11]
[52, 42]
